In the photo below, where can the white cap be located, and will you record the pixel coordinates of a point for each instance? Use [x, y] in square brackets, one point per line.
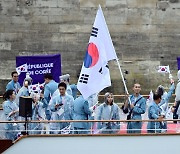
[64, 77]
[28, 78]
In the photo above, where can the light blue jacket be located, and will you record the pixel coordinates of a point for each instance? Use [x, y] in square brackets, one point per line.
[46, 108]
[69, 90]
[139, 108]
[81, 112]
[168, 96]
[22, 92]
[67, 105]
[37, 114]
[9, 107]
[74, 90]
[153, 113]
[106, 112]
[13, 86]
[137, 111]
[49, 89]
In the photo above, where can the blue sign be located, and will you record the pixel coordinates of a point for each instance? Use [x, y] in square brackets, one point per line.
[40, 65]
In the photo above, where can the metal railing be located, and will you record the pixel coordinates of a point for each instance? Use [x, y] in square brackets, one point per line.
[92, 129]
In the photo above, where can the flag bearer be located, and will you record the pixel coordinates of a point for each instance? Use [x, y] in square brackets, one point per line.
[135, 109]
[154, 113]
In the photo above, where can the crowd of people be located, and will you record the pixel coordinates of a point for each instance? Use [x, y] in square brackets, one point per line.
[59, 101]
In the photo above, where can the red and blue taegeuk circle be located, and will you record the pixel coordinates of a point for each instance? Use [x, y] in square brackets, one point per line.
[92, 56]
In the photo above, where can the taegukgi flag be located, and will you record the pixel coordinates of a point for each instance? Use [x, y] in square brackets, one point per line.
[164, 69]
[95, 75]
[36, 88]
[22, 68]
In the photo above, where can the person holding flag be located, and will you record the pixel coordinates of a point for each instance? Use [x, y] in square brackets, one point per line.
[165, 97]
[95, 75]
[154, 114]
[135, 109]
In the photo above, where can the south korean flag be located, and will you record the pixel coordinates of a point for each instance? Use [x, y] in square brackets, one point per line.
[34, 88]
[22, 68]
[164, 69]
[95, 75]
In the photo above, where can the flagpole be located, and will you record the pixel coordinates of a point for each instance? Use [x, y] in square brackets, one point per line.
[125, 87]
[170, 76]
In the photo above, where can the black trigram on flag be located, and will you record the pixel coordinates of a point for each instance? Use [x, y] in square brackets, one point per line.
[101, 69]
[84, 78]
[94, 32]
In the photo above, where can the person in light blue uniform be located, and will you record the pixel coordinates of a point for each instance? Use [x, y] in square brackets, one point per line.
[137, 107]
[65, 79]
[108, 111]
[154, 113]
[71, 89]
[165, 97]
[176, 105]
[11, 111]
[81, 111]
[44, 102]
[38, 113]
[14, 84]
[62, 109]
[24, 91]
[50, 87]
[74, 90]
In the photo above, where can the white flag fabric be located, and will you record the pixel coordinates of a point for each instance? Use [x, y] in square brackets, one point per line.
[36, 88]
[150, 98]
[66, 130]
[22, 68]
[164, 69]
[95, 75]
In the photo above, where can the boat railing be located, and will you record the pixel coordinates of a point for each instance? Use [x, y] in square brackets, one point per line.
[61, 127]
